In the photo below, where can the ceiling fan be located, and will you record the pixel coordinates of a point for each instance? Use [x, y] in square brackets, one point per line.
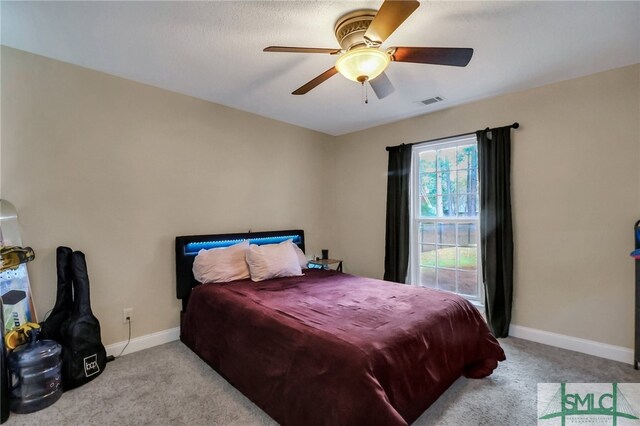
[360, 35]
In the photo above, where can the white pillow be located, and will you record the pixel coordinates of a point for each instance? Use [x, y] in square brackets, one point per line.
[273, 261]
[221, 265]
[302, 258]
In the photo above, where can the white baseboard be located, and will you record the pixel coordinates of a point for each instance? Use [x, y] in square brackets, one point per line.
[144, 342]
[590, 347]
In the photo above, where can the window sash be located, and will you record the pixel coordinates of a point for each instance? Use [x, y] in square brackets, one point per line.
[478, 296]
[417, 219]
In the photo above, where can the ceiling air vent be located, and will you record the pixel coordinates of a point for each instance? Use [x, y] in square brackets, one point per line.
[432, 100]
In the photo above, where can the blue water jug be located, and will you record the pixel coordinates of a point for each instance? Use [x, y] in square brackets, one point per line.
[4, 380]
[35, 376]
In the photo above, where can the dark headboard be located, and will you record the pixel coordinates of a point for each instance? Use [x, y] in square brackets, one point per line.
[187, 248]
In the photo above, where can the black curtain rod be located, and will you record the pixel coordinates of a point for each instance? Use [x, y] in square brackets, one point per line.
[513, 126]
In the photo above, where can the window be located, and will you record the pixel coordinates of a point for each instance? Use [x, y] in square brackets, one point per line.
[444, 213]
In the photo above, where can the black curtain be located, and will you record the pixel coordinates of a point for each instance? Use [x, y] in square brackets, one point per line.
[396, 249]
[496, 236]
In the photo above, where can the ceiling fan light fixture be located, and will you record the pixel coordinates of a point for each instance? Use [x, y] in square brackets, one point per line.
[362, 64]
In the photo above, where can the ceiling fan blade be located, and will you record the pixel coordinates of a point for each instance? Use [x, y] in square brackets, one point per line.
[316, 81]
[382, 86]
[301, 50]
[391, 15]
[455, 56]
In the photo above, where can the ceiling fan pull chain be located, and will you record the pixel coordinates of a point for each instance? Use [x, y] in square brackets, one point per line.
[365, 96]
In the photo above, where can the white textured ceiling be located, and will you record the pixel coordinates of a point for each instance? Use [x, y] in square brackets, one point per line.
[213, 50]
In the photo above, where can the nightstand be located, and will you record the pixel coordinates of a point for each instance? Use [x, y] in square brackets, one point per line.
[324, 264]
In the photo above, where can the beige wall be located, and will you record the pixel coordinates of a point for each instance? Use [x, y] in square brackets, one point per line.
[117, 169]
[575, 192]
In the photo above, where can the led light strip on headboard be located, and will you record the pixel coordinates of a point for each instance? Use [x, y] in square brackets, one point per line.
[192, 249]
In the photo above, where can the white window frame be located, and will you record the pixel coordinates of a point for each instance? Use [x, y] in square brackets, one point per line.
[415, 219]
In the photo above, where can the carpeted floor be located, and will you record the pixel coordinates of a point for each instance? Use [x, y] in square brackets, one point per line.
[170, 385]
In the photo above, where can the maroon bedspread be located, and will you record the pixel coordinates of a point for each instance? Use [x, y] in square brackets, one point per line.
[335, 349]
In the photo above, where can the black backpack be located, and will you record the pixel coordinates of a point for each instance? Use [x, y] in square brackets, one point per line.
[83, 355]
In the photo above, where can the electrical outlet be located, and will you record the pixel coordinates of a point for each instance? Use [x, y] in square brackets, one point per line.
[127, 315]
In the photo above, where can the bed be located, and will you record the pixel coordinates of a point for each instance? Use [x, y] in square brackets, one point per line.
[329, 348]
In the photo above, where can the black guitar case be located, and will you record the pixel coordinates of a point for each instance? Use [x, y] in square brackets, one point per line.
[83, 355]
[50, 328]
